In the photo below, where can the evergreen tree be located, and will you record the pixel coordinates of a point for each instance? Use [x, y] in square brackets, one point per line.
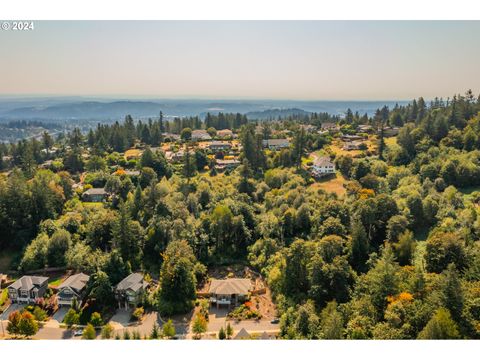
[441, 326]
[359, 249]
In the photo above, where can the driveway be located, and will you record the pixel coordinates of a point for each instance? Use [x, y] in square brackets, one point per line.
[59, 315]
[121, 321]
[10, 309]
[218, 318]
[121, 318]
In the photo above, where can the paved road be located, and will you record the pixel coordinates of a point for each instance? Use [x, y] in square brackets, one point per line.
[214, 325]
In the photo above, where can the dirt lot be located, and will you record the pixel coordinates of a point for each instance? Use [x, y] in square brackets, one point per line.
[335, 184]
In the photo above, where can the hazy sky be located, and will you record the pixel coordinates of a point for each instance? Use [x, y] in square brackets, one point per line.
[282, 59]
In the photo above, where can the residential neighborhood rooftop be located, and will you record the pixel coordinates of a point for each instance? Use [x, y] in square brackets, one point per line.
[230, 286]
[133, 282]
[95, 191]
[77, 282]
[28, 282]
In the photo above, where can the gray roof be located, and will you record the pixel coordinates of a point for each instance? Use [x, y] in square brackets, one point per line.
[327, 125]
[230, 286]
[132, 282]
[242, 334]
[29, 282]
[323, 161]
[76, 282]
[265, 336]
[95, 191]
[276, 142]
[219, 143]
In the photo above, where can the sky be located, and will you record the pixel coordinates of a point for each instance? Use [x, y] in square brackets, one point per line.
[304, 60]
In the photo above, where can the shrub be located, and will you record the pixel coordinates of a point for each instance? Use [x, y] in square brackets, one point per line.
[168, 329]
[221, 334]
[244, 312]
[96, 319]
[107, 331]
[138, 313]
[71, 318]
[39, 313]
[89, 332]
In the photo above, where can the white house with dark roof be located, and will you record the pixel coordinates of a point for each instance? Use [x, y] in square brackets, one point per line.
[27, 289]
[276, 144]
[229, 291]
[217, 145]
[73, 287]
[130, 290]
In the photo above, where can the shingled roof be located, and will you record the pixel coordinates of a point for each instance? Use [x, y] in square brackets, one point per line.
[76, 282]
[132, 282]
[28, 282]
[242, 335]
[230, 286]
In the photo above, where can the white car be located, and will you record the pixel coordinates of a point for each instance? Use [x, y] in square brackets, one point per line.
[78, 333]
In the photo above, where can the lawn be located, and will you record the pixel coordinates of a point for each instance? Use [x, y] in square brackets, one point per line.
[333, 184]
[337, 149]
[55, 281]
[92, 204]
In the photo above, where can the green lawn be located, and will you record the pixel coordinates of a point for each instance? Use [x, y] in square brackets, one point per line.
[92, 204]
[55, 281]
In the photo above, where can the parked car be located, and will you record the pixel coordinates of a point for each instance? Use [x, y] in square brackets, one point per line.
[275, 321]
[78, 332]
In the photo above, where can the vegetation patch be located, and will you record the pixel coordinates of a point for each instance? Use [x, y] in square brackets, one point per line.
[244, 312]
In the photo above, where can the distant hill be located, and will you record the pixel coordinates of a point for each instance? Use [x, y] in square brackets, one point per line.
[78, 109]
[87, 110]
[276, 113]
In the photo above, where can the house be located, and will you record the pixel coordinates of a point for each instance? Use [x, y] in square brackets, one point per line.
[276, 144]
[242, 335]
[171, 137]
[225, 133]
[308, 128]
[200, 135]
[390, 131]
[72, 288]
[265, 336]
[365, 128]
[329, 126]
[219, 145]
[95, 195]
[229, 291]
[130, 290]
[27, 289]
[222, 164]
[132, 154]
[348, 137]
[322, 166]
[353, 145]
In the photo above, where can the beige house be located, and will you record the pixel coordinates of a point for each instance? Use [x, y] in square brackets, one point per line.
[229, 292]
